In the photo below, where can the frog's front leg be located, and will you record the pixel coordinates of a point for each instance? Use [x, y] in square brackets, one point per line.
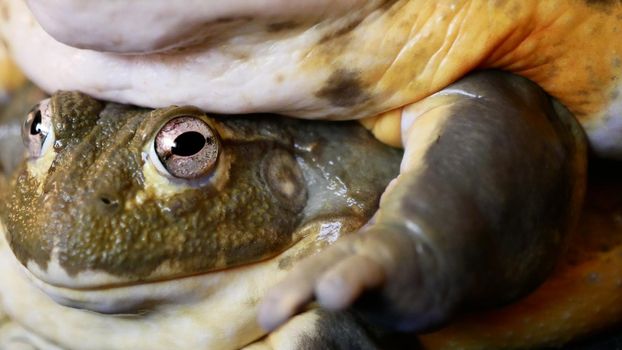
[491, 183]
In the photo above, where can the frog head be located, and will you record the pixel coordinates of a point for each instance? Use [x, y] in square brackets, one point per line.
[115, 196]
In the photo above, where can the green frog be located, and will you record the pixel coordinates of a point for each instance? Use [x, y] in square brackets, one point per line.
[135, 228]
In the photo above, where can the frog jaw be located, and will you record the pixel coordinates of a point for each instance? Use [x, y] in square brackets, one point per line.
[198, 319]
[130, 297]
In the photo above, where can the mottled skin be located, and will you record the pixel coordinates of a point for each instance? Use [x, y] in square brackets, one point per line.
[109, 142]
[93, 221]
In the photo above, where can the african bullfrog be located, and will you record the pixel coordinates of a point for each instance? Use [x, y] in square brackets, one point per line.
[493, 168]
[107, 214]
[131, 228]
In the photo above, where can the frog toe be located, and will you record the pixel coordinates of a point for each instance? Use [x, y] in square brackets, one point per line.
[335, 278]
[340, 286]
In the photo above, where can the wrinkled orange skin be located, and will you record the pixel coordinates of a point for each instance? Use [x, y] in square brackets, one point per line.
[571, 48]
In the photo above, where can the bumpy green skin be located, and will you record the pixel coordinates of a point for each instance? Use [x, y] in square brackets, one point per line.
[99, 154]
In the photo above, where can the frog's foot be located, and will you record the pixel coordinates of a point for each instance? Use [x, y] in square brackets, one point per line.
[491, 182]
[336, 277]
[372, 260]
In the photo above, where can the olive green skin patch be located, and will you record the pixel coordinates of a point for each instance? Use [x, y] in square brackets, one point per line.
[95, 204]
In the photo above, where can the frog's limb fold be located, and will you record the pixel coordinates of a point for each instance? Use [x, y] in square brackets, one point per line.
[490, 185]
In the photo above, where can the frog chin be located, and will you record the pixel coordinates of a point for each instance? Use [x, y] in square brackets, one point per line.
[140, 297]
[191, 310]
[104, 293]
[215, 310]
[117, 297]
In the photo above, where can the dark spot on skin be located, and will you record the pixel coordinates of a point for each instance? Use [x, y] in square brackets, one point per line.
[500, 3]
[343, 89]
[118, 41]
[142, 309]
[602, 2]
[252, 302]
[604, 248]
[280, 26]
[232, 19]
[285, 263]
[593, 278]
[602, 5]
[346, 29]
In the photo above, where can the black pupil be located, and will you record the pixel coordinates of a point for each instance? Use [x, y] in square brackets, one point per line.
[188, 143]
[35, 127]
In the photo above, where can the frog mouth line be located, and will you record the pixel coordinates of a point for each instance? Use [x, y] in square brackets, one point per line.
[55, 276]
[136, 297]
[133, 298]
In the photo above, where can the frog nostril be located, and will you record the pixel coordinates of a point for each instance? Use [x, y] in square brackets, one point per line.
[109, 202]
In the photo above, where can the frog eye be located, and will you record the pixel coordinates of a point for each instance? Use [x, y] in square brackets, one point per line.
[37, 132]
[187, 148]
